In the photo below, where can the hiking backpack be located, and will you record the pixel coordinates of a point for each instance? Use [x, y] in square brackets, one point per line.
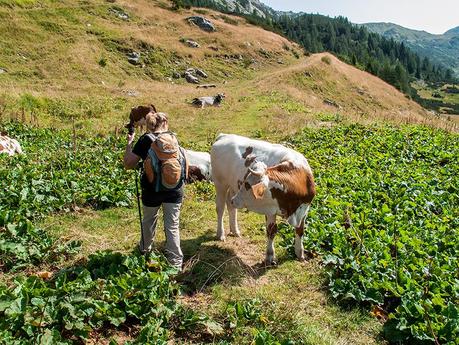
[165, 165]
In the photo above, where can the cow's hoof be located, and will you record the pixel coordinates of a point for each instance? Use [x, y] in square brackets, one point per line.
[221, 238]
[270, 263]
[235, 234]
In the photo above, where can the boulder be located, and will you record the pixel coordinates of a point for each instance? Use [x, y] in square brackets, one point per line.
[201, 73]
[119, 13]
[192, 44]
[132, 93]
[331, 103]
[202, 23]
[206, 86]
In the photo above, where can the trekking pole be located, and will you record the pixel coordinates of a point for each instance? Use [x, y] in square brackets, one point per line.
[138, 206]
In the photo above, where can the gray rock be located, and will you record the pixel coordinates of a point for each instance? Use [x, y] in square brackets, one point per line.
[119, 13]
[331, 103]
[206, 86]
[201, 73]
[190, 70]
[175, 75]
[2, 70]
[202, 22]
[132, 93]
[192, 44]
[134, 58]
[191, 78]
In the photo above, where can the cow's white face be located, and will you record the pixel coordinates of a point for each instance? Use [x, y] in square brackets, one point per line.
[253, 187]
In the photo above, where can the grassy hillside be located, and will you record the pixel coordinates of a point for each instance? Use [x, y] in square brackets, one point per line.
[68, 198]
[69, 60]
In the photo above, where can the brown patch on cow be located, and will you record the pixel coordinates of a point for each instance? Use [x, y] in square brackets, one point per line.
[298, 183]
[249, 160]
[271, 230]
[300, 230]
[195, 174]
[247, 152]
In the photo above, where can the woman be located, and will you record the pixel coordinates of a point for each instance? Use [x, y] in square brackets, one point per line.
[152, 198]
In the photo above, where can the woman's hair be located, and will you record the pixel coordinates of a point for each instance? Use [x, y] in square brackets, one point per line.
[157, 122]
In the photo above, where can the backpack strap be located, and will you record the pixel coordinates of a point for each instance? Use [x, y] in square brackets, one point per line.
[186, 166]
[155, 164]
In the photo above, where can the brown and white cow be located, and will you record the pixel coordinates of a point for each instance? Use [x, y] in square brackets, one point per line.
[199, 168]
[9, 146]
[137, 116]
[266, 178]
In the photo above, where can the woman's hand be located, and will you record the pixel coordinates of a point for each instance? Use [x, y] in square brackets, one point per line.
[130, 138]
[130, 159]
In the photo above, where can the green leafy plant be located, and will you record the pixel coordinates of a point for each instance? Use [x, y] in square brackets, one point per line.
[110, 291]
[386, 220]
[57, 173]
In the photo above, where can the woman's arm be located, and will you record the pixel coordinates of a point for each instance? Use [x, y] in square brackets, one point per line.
[130, 159]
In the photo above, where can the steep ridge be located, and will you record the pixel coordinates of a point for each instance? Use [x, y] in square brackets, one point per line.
[443, 49]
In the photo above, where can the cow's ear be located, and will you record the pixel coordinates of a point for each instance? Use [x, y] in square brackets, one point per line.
[258, 190]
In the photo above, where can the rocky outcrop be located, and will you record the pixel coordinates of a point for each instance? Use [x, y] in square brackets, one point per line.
[202, 22]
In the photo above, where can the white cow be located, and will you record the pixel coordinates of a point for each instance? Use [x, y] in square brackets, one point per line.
[265, 178]
[199, 168]
[9, 145]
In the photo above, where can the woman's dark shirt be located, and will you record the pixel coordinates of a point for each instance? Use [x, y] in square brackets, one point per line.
[151, 198]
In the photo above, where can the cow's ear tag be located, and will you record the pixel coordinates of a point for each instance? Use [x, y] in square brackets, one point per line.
[258, 190]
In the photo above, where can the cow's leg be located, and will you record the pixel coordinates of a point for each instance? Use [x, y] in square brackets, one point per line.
[297, 221]
[271, 230]
[220, 201]
[299, 249]
[234, 228]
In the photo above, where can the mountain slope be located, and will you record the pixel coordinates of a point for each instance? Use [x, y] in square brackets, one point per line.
[443, 49]
[385, 58]
[70, 61]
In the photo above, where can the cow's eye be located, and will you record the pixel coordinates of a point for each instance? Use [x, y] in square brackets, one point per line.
[247, 186]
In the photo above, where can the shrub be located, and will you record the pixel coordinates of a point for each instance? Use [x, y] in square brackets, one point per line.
[326, 59]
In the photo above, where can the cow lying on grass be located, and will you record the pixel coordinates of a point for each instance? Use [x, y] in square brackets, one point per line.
[138, 115]
[9, 146]
[203, 101]
[265, 178]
